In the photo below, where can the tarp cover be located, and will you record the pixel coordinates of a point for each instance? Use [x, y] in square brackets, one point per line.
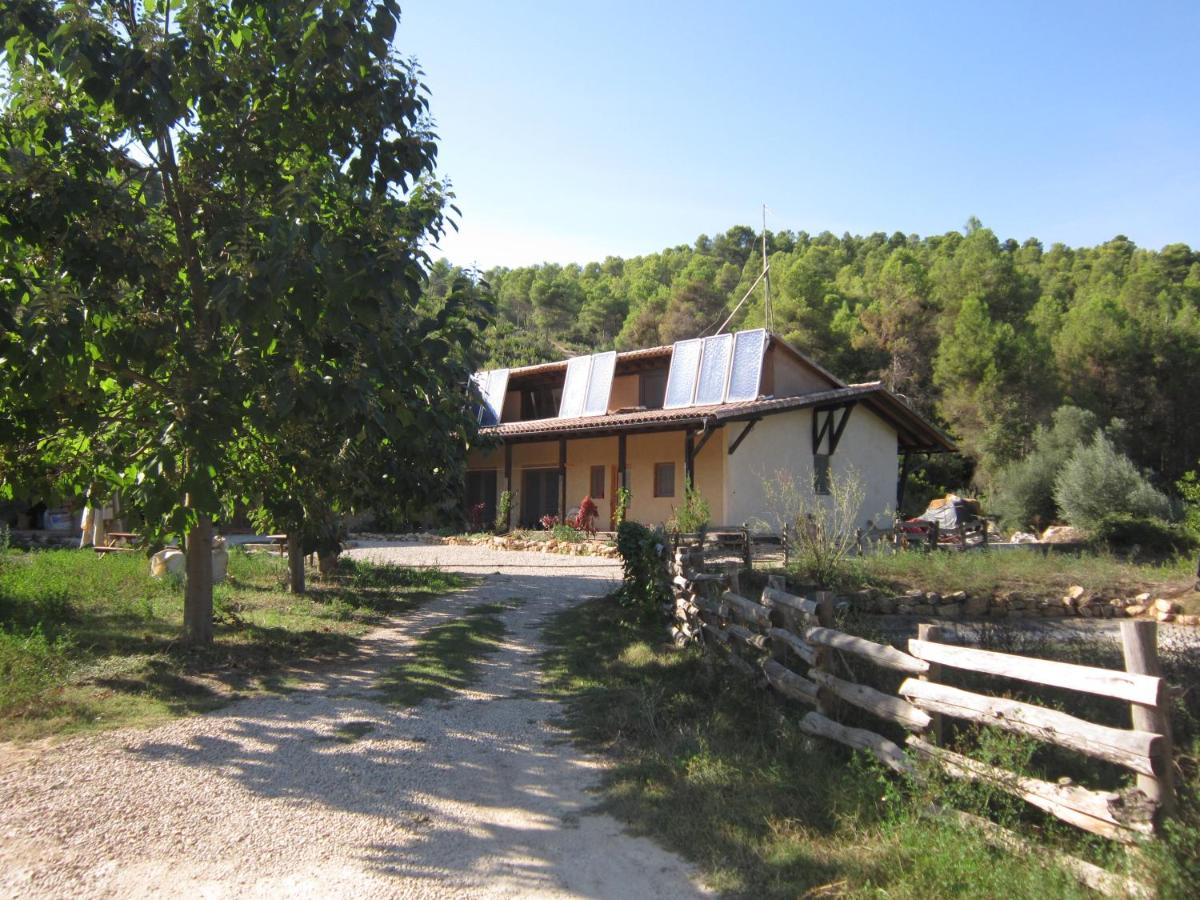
[950, 510]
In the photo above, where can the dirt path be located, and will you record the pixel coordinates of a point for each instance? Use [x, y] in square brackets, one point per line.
[476, 796]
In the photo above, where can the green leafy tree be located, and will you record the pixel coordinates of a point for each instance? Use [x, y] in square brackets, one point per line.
[197, 195]
[1100, 481]
[1024, 493]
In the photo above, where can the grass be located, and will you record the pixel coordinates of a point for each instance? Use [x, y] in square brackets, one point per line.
[719, 772]
[447, 657]
[89, 642]
[1018, 570]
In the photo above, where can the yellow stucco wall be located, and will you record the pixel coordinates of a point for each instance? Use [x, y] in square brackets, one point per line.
[642, 452]
[784, 442]
[789, 377]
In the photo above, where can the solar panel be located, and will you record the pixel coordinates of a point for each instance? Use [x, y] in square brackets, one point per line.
[600, 383]
[681, 380]
[491, 385]
[575, 387]
[746, 372]
[714, 370]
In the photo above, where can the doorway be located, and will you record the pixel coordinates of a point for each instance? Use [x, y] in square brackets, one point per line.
[539, 496]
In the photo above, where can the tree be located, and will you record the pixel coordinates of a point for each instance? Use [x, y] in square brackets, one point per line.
[197, 195]
[1025, 489]
[1100, 481]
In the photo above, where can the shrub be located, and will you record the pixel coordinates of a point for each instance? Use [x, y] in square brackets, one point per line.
[1099, 481]
[823, 530]
[503, 509]
[563, 532]
[1189, 490]
[1153, 537]
[623, 497]
[646, 587]
[585, 517]
[695, 514]
[475, 516]
[1024, 493]
[549, 521]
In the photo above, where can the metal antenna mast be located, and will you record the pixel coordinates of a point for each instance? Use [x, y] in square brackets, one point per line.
[766, 273]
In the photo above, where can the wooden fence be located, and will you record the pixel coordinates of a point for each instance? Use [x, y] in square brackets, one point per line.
[789, 643]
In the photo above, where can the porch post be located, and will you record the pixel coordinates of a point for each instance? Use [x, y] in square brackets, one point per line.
[621, 463]
[562, 478]
[508, 482]
[904, 458]
[689, 457]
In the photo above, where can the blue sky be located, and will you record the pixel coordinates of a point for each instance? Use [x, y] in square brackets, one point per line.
[573, 131]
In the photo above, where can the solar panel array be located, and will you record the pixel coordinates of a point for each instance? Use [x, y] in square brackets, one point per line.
[588, 385]
[492, 385]
[724, 368]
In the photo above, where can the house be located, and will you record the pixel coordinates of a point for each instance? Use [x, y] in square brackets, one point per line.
[725, 412]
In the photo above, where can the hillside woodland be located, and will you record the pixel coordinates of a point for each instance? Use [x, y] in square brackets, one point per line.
[1000, 342]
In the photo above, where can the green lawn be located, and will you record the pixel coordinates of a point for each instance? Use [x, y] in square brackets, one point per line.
[717, 770]
[92, 642]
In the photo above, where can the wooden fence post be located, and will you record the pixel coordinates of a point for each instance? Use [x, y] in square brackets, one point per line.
[826, 703]
[1139, 640]
[785, 552]
[933, 634]
[748, 552]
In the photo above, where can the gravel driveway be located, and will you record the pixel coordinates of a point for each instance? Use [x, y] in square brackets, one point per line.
[476, 796]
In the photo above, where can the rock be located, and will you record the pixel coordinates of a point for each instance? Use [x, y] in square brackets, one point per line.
[957, 597]
[1023, 537]
[1165, 606]
[1187, 620]
[1143, 598]
[949, 610]
[170, 561]
[1135, 609]
[1075, 592]
[915, 594]
[922, 609]
[976, 606]
[933, 598]
[904, 609]
[1062, 534]
[220, 560]
[1165, 616]
[886, 605]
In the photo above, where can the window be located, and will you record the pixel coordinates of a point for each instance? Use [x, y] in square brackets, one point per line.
[820, 473]
[540, 402]
[597, 483]
[664, 479]
[653, 387]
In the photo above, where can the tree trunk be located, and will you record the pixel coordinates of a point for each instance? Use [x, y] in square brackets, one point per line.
[198, 593]
[295, 552]
[327, 560]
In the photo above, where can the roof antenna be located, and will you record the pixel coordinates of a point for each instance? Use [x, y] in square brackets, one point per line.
[766, 273]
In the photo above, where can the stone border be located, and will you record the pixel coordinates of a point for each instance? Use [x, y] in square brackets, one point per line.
[604, 549]
[1077, 601]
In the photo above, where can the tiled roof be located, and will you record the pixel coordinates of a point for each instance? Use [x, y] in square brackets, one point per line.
[914, 430]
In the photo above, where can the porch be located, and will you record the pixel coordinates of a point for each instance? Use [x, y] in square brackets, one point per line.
[551, 477]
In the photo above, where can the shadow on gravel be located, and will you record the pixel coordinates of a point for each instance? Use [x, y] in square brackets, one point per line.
[483, 789]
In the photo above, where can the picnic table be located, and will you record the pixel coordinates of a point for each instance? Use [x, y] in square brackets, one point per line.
[118, 542]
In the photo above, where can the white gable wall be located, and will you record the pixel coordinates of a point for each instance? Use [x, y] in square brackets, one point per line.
[784, 441]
